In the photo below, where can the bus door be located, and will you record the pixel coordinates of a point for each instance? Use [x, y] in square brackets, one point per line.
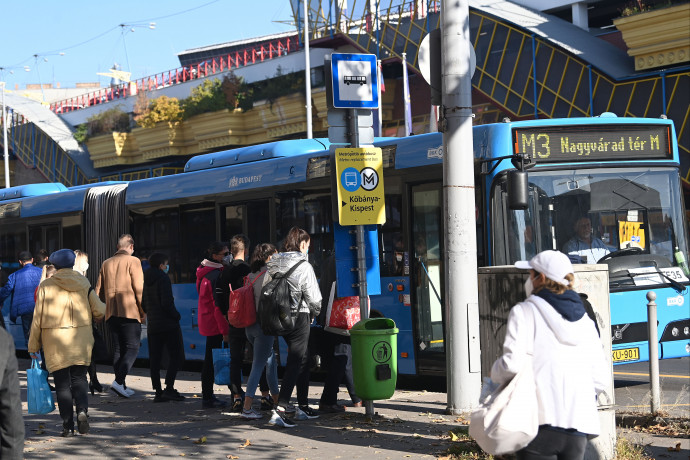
[427, 275]
[249, 218]
[45, 236]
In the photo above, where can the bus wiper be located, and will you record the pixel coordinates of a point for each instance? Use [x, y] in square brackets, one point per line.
[674, 284]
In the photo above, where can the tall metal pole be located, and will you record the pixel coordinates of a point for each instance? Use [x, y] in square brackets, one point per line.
[461, 289]
[6, 154]
[307, 70]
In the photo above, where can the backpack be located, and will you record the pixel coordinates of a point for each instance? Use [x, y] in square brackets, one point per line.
[276, 315]
[242, 310]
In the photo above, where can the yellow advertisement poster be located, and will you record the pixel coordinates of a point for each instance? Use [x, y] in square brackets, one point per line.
[359, 174]
[631, 234]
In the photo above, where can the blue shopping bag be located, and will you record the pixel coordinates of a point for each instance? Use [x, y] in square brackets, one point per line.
[221, 365]
[39, 396]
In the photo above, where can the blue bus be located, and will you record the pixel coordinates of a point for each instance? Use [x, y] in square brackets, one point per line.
[619, 175]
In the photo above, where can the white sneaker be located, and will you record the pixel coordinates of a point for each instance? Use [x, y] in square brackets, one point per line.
[251, 414]
[280, 420]
[120, 390]
[129, 391]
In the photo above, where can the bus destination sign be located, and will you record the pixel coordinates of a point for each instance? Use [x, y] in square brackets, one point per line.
[572, 143]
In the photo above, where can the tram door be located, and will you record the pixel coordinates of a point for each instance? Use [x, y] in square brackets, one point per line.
[427, 274]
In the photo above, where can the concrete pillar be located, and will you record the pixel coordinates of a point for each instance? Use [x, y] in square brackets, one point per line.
[580, 17]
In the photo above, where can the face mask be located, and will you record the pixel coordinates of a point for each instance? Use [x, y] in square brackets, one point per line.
[528, 287]
[227, 259]
[167, 268]
[85, 267]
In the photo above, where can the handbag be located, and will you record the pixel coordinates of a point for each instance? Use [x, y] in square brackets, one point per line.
[507, 419]
[39, 396]
[221, 365]
[343, 312]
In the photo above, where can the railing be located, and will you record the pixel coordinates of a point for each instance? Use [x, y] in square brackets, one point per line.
[240, 58]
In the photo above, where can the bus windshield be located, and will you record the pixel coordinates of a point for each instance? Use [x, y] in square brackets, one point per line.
[591, 214]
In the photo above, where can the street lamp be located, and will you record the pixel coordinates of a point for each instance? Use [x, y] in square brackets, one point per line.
[131, 28]
[6, 154]
[45, 59]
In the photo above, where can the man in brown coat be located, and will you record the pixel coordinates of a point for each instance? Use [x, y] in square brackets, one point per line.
[120, 285]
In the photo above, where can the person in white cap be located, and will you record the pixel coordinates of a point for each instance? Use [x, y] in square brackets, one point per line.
[568, 358]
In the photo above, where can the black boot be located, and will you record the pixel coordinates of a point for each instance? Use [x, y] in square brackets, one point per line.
[94, 384]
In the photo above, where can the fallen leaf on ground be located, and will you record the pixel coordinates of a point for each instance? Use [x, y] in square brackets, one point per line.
[232, 457]
[184, 437]
[201, 440]
[246, 443]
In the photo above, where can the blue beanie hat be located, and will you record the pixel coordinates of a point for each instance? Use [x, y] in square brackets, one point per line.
[63, 258]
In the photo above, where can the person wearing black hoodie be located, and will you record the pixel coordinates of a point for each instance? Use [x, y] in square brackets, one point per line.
[163, 324]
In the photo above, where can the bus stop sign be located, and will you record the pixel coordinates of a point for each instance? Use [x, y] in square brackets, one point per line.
[355, 82]
[359, 174]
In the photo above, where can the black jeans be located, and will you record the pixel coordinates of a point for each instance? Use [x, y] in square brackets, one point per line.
[126, 341]
[298, 343]
[172, 342]
[237, 344]
[338, 360]
[207, 375]
[70, 384]
[552, 444]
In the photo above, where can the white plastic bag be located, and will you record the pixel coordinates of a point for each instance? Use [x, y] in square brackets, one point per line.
[507, 420]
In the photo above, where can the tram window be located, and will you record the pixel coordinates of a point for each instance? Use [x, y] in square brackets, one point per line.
[232, 222]
[71, 232]
[310, 210]
[197, 231]
[12, 242]
[157, 230]
[394, 255]
[46, 236]
[251, 219]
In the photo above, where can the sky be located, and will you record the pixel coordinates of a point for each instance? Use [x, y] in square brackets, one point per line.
[89, 35]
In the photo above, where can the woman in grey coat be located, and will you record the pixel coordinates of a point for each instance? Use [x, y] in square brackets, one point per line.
[305, 294]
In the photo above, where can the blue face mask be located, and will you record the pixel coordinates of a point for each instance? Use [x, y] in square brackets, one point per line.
[167, 268]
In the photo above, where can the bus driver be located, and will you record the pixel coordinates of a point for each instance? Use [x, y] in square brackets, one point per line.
[584, 244]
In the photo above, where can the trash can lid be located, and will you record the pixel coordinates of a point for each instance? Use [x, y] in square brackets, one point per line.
[375, 325]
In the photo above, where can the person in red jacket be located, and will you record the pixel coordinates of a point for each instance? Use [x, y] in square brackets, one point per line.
[211, 320]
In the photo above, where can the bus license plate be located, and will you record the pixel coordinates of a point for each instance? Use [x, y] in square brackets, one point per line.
[626, 354]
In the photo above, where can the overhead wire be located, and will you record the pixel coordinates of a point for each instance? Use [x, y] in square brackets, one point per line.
[28, 59]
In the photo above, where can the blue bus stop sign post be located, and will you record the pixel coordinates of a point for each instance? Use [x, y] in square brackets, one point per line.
[354, 85]
[346, 260]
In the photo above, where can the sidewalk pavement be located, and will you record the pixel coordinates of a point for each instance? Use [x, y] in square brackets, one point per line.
[410, 425]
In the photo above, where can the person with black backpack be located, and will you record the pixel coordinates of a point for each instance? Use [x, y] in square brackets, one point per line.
[304, 304]
[211, 320]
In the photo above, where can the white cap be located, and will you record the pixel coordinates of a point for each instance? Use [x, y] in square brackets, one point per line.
[553, 264]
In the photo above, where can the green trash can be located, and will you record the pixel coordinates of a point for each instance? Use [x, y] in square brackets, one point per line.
[374, 358]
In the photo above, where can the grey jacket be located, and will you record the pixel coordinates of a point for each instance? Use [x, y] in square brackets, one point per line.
[303, 283]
